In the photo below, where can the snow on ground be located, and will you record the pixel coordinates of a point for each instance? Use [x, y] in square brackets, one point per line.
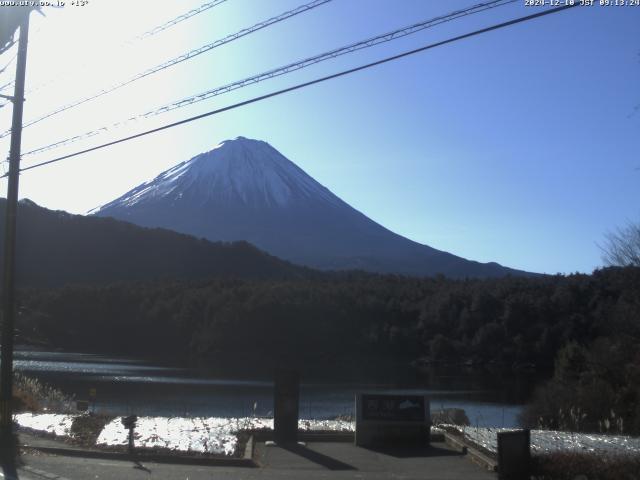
[204, 435]
[548, 441]
[218, 435]
[326, 425]
[55, 423]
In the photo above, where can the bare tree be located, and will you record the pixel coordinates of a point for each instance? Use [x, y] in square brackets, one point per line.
[622, 247]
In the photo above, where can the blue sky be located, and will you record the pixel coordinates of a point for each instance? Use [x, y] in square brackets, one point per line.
[519, 146]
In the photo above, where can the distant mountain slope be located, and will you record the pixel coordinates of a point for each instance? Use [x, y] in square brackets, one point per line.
[246, 190]
[56, 248]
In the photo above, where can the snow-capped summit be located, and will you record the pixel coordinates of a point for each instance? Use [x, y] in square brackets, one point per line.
[251, 172]
[245, 189]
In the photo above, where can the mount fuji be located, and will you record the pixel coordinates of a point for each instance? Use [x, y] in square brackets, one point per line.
[246, 190]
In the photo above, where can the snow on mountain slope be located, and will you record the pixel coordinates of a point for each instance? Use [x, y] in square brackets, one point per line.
[246, 190]
[250, 171]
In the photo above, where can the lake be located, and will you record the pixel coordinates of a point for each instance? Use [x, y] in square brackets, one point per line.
[127, 386]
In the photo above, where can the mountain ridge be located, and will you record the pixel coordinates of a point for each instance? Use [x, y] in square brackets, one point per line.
[56, 248]
[245, 189]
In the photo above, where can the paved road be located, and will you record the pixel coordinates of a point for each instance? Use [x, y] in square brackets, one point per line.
[316, 461]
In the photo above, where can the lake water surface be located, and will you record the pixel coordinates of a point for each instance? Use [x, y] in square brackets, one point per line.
[126, 386]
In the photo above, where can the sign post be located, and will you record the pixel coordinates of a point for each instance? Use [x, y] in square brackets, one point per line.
[286, 406]
[383, 419]
[130, 424]
[514, 455]
[92, 398]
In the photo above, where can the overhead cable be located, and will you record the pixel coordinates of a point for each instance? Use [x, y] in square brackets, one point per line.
[191, 13]
[370, 42]
[174, 61]
[160, 28]
[305, 84]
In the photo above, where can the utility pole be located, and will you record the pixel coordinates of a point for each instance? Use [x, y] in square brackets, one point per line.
[8, 285]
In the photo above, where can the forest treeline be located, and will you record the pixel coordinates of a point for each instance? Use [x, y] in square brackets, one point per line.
[343, 316]
[588, 325]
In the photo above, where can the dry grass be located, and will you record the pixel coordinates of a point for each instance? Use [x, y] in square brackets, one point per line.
[86, 429]
[592, 466]
[32, 395]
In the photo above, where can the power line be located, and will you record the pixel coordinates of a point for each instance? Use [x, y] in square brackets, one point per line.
[7, 65]
[7, 46]
[2, 70]
[306, 84]
[160, 28]
[191, 13]
[186, 56]
[370, 42]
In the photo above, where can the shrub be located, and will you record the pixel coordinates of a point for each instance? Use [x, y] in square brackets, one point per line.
[30, 394]
[594, 389]
[569, 465]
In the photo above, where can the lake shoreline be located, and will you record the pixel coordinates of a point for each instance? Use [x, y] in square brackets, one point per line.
[127, 386]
